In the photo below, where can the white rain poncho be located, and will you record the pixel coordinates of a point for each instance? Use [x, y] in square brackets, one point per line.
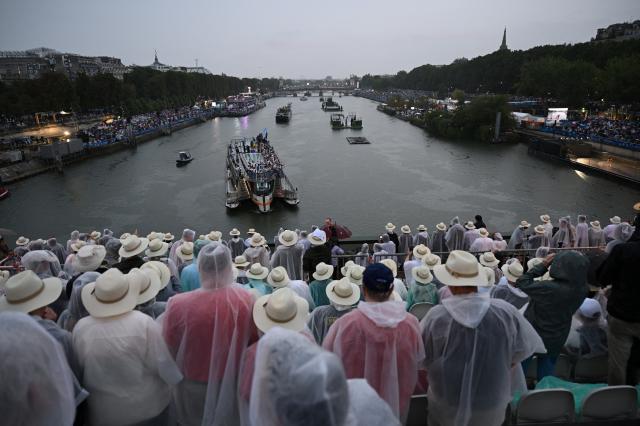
[473, 349]
[422, 238]
[57, 250]
[236, 245]
[406, 243]
[322, 317]
[387, 245]
[276, 238]
[582, 232]
[481, 245]
[125, 366]
[620, 235]
[564, 236]
[511, 294]
[76, 308]
[548, 230]
[455, 235]
[408, 267]
[290, 258]
[297, 383]
[362, 257]
[257, 255]
[44, 263]
[379, 254]
[596, 238]
[438, 244]
[469, 238]
[499, 244]
[389, 350]
[112, 247]
[301, 288]
[537, 240]
[75, 235]
[207, 332]
[400, 288]
[518, 239]
[36, 383]
[187, 235]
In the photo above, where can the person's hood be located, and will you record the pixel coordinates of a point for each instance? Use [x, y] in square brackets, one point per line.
[570, 266]
[468, 309]
[385, 314]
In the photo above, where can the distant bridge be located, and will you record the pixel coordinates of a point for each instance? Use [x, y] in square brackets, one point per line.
[317, 88]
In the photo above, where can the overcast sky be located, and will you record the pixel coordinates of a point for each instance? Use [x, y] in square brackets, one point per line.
[313, 39]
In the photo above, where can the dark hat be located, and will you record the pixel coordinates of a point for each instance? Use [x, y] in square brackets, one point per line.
[377, 277]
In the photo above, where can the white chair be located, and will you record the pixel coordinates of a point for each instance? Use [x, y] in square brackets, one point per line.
[591, 370]
[546, 406]
[610, 403]
[417, 411]
[419, 310]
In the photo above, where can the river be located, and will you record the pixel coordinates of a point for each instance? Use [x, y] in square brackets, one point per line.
[404, 176]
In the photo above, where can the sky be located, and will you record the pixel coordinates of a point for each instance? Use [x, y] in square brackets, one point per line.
[301, 39]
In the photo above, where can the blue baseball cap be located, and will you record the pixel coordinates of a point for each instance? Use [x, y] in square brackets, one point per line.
[377, 277]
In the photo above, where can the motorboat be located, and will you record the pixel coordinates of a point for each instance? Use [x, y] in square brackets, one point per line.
[184, 158]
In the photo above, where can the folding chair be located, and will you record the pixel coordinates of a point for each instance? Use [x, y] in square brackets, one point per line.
[546, 406]
[610, 403]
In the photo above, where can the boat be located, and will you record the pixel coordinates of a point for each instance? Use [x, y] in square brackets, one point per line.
[321, 99]
[337, 121]
[243, 104]
[307, 94]
[304, 98]
[255, 172]
[330, 105]
[354, 122]
[184, 158]
[283, 115]
[4, 192]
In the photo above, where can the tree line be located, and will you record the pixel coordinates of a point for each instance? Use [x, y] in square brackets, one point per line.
[572, 74]
[142, 90]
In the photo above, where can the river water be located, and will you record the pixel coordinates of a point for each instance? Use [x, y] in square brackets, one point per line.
[404, 176]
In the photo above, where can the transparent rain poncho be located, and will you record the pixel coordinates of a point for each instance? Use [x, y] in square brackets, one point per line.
[75, 235]
[387, 245]
[422, 238]
[438, 244]
[473, 349]
[57, 250]
[290, 258]
[582, 232]
[481, 245]
[470, 236]
[44, 263]
[406, 243]
[257, 255]
[620, 235]
[76, 308]
[454, 237]
[596, 238]
[564, 236]
[236, 245]
[362, 257]
[518, 238]
[36, 245]
[295, 383]
[36, 381]
[499, 244]
[389, 350]
[112, 257]
[207, 332]
[537, 240]
[187, 235]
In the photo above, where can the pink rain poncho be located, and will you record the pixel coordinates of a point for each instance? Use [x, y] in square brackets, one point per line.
[473, 349]
[381, 343]
[207, 331]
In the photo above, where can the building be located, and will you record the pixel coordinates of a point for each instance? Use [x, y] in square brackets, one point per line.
[619, 32]
[503, 46]
[159, 66]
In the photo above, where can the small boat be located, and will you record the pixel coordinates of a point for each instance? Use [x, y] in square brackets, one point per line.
[4, 192]
[307, 93]
[337, 121]
[283, 115]
[184, 158]
[304, 98]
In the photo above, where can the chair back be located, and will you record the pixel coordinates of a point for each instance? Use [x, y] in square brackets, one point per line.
[546, 406]
[610, 403]
[419, 310]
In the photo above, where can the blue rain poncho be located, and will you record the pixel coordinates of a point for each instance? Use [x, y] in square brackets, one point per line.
[189, 278]
[318, 292]
[259, 285]
[422, 293]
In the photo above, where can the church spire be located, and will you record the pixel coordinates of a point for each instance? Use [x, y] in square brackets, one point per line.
[156, 55]
[503, 46]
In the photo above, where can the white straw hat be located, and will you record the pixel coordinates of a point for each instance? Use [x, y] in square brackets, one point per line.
[288, 238]
[234, 232]
[257, 240]
[431, 260]
[155, 236]
[470, 226]
[317, 237]
[95, 235]
[595, 225]
[512, 271]
[241, 262]
[22, 241]
[149, 284]
[88, 258]
[422, 228]
[483, 232]
[420, 251]
[389, 227]
[278, 277]
[524, 224]
[157, 248]
[461, 269]
[441, 226]
[545, 218]
[132, 246]
[77, 245]
[113, 293]
[168, 237]
[251, 231]
[534, 261]
[185, 251]
[421, 274]
[257, 272]
[163, 271]
[345, 268]
[615, 220]
[405, 229]
[391, 264]
[355, 274]
[323, 271]
[26, 292]
[488, 259]
[213, 236]
[282, 308]
[343, 292]
[539, 229]
[124, 236]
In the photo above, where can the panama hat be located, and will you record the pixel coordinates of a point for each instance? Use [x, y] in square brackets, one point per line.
[488, 259]
[317, 237]
[441, 226]
[483, 232]
[26, 292]
[345, 268]
[278, 277]
[470, 226]
[595, 224]
[389, 227]
[421, 274]
[95, 235]
[157, 248]
[323, 271]
[88, 258]
[461, 269]
[539, 229]
[77, 245]
[113, 293]
[405, 229]
[615, 220]
[535, 261]
[512, 271]
[391, 264]
[168, 237]
[355, 274]
[257, 240]
[282, 308]
[257, 272]
[213, 236]
[343, 292]
[524, 224]
[155, 236]
[203, 237]
[22, 241]
[163, 271]
[420, 251]
[241, 262]
[422, 228]
[234, 232]
[149, 284]
[132, 246]
[431, 260]
[491, 275]
[288, 238]
[124, 236]
[185, 251]
[251, 231]
[545, 218]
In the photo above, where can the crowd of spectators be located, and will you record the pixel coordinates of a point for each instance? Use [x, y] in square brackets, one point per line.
[600, 128]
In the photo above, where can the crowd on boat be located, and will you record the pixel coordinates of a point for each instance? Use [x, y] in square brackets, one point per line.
[262, 157]
[595, 128]
[107, 330]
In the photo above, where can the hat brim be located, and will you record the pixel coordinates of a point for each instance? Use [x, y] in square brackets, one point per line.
[443, 228]
[144, 243]
[163, 250]
[615, 222]
[260, 276]
[545, 219]
[242, 265]
[322, 277]
[98, 309]
[234, 234]
[441, 273]
[507, 274]
[280, 284]
[315, 242]
[165, 272]
[152, 290]
[390, 229]
[258, 244]
[418, 255]
[343, 301]
[594, 225]
[470, 228]
[489, 264]
[264, 323]
[184, 257]
[49, 294]
[94, 263]
[287, 243]
[418, 279]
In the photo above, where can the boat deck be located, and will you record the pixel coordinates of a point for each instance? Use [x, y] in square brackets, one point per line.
[357, 140]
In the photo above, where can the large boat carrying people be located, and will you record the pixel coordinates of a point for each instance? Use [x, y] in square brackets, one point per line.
[255, 172]
[283, 115]
[330, 105]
